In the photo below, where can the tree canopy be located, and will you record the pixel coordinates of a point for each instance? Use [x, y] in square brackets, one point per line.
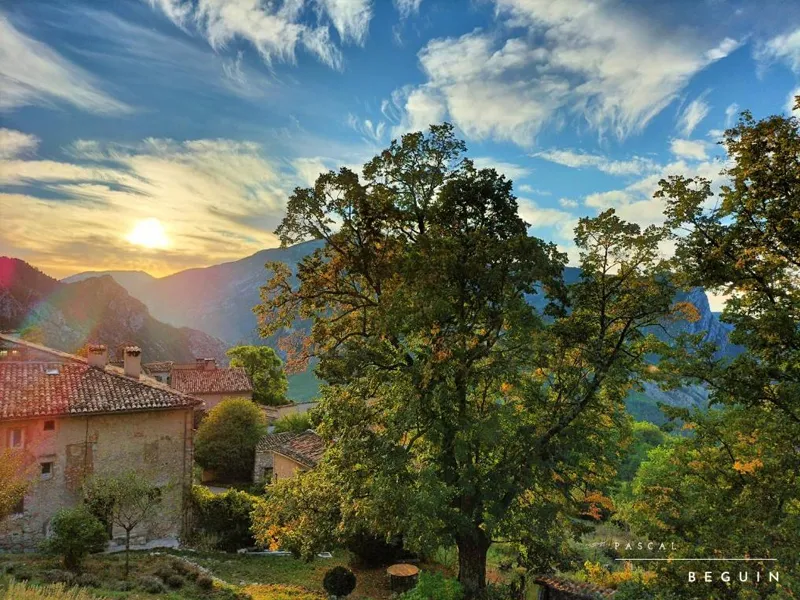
[265, 369]
[226, 439]
[458, 413]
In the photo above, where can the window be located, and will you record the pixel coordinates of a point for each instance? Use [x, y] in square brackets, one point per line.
[47, 470]
[16, 438]
[19, 507]
[49, 425]
[268, 474]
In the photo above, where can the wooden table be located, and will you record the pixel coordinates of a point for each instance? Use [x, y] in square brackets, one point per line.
[402, 577]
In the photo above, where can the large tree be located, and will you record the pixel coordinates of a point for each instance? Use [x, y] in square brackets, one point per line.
[265, 369]
[457, 413]
[14, 480]
[733, 487]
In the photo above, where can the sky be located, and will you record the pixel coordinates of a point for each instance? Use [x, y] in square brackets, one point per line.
[166, 134]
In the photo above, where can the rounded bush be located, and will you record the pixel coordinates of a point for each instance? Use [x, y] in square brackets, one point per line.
[58, 576]
[76, 533]
[175, 581]
[150, 584]
[88, 580]
[339, 581]
[204, 582]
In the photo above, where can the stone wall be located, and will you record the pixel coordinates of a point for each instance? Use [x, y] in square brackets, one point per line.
[156, 443]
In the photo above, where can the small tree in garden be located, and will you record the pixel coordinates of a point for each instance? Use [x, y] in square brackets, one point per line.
[13, 481]
[226, 440]
[127, 500]
[76, 532]
[339, 582]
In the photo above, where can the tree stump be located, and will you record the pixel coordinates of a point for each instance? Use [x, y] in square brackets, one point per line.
[402, 577]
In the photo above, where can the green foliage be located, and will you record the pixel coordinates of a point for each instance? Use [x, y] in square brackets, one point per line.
[13, 480]
[434, 585]
[646, 436]
[75, 533]
[339, 582]
[461, 415]
[227, 438]
[265, 369]
[702, 490]
[295, 422]
[150, 584]
[225, 517]
[58, 591]
[127, 499]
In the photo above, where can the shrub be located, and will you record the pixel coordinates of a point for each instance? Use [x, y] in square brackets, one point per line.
[24, 591]
[282, 592]
[123, 586]
[204, 582]
[175, 581]
[224, 518]
[150, 584]
[76, 533]
[294, 422]
[339, 581]
[88, 580]
[434, 585]
[57, 576]
[226, 440]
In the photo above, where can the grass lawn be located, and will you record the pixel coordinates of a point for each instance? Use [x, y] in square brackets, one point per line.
[262, 577]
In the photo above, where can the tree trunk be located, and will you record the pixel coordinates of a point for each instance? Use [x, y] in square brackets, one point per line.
[127, 552]
[472, 549]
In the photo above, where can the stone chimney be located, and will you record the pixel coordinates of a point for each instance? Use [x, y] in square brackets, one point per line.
[133, 361]
[211, 363]
[205, 364]
[98, 356]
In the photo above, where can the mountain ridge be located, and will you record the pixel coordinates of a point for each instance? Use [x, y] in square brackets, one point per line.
[66, 316]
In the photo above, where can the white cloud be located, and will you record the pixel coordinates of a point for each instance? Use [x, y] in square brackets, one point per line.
[539, 217]
[406, 8]
[636, 203]
[33, 73]
[511, 170]
[15, 143]
[373, 133]
[730, 114]
[785, 48]
[529, 189]
[217, 199]
[791, 101]
[691, 149]
[274, 29]
[692, 115]
[578, 159]
[568, 203]
[598, 60]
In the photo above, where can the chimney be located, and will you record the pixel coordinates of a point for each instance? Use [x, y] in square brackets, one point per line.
[211, 363]
[205, 364]
[200, 363]
[98, 356]
[133, 361]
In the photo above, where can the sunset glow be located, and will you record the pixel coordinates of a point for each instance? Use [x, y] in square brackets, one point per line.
[149, 233]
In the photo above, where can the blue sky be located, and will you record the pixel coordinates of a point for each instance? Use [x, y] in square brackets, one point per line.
[167, 134]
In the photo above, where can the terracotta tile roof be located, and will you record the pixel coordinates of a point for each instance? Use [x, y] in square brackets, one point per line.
[69, 386]
[306, 448]
[579, 590]
[225, 380]
[164, 366]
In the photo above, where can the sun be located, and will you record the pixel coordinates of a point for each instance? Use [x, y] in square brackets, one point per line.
[148, 233]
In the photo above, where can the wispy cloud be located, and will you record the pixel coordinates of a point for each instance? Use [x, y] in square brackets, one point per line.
[785, 48]
[16, 143]
[578, 160]
[597, 60]
[275, 29]
[692, 115]
[406, 8]
[217, 199]
[33, 73]
[509, 169]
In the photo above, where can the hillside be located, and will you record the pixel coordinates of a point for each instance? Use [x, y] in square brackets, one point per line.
[220, 299]
[68, 315]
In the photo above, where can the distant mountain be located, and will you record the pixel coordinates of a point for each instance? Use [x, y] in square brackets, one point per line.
[66, 316]
[219, 300]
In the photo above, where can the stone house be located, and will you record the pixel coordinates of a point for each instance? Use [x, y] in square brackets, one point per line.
[282, 455]
[209, 382]
[74, 417]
